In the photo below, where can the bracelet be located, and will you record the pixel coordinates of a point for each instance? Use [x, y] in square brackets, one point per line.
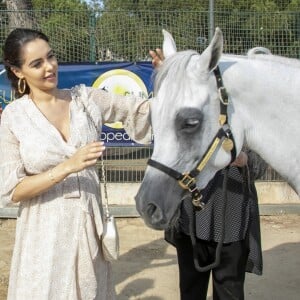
[52, 177]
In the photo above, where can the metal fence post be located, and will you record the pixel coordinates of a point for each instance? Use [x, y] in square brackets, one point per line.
[211, 21]
[92, 32]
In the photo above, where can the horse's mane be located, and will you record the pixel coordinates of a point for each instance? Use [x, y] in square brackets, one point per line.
[278, 59]
[288, 61]
[258, 50]
[174, 67]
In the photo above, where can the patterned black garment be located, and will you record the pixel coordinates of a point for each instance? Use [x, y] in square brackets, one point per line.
[241, 212]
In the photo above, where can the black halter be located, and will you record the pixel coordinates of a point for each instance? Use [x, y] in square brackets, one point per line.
[223, 137]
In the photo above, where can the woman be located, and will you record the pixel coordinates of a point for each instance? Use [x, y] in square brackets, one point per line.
[48, 150]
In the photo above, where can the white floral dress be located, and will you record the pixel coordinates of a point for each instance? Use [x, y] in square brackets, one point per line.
[57, 253]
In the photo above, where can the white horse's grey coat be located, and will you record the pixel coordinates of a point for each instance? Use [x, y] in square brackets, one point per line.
[264, 111]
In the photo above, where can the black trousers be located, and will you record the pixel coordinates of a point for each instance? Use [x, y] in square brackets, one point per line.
[228, 277]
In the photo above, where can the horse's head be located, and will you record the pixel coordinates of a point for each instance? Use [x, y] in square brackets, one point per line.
[185, 119]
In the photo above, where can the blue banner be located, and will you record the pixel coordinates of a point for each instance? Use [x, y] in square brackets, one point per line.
[118, 77]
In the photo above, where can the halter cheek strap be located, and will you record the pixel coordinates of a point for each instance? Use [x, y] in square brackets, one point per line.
[228, 143]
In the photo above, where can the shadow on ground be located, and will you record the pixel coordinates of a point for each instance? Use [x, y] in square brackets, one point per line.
[149, 271]
[146, 265]
[147, 268]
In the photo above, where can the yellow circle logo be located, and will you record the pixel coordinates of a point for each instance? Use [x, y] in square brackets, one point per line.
[121, 82]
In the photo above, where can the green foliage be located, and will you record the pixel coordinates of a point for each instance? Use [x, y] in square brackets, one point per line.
[268, 23]
[59, 5]
[143, 21]
[88, 30]
[65, 29]
[272, 24]
[154, 5]
[257, 5]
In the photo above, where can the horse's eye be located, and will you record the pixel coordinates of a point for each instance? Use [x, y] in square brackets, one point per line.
[188, 120]
[190, 123]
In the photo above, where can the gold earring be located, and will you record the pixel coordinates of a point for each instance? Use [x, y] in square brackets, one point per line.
[21, 85]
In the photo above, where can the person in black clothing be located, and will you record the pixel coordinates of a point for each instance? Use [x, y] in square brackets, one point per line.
[240, 246]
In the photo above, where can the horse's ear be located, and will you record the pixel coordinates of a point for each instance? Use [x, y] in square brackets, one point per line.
[213, 52]
[169, 46]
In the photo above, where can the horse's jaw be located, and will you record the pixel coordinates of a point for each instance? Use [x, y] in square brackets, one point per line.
[219, 160]
[158, 200]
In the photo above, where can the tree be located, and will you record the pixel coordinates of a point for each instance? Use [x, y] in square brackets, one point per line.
[67, 25]
[20, 15]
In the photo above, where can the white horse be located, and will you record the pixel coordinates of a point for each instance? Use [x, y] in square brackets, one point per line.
[263, 112]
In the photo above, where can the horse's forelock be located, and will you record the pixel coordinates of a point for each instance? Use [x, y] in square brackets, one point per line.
[173, 71]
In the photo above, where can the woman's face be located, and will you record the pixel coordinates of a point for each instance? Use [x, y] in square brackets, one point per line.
[39, 66]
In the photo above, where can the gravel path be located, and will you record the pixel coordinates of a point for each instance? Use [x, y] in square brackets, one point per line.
[147, 267]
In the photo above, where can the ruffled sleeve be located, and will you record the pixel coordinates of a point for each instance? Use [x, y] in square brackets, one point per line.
[132, 111]
[11, 166]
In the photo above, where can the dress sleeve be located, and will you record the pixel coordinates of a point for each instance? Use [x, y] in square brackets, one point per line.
[132, 111]
[11, 166]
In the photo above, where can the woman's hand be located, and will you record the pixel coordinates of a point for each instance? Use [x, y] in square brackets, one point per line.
[157, 57]
[84, 157]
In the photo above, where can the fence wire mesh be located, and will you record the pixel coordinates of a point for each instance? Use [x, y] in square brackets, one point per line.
[97, 35]
[128, 164]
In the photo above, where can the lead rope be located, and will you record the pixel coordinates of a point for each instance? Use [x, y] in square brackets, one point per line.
[192, 229]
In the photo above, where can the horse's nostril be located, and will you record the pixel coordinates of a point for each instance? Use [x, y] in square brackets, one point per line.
[154, 213]
[151, 209]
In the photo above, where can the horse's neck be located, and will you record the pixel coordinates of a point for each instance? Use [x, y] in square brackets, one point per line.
[264, 103]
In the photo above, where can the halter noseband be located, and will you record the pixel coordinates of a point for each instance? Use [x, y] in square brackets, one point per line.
[223, 137]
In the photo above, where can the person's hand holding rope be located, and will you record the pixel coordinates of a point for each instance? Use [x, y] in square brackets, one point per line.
[241, 160]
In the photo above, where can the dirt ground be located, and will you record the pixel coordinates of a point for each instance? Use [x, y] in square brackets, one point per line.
[147, 268]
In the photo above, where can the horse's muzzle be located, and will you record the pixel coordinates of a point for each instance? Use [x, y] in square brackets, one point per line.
[156, 204]
[154, 217]
[151, 213]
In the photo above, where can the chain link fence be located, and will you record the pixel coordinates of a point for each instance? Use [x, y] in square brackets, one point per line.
[90, 36]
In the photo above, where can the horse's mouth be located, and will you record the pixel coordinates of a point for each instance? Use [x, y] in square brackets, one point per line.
[175, 217]
[158, 207]
[157, 221]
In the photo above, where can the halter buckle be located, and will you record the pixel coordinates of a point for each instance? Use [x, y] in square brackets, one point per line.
[198, 203]
[186, 181]
[223, 95]
[222, 119]
[227, 144]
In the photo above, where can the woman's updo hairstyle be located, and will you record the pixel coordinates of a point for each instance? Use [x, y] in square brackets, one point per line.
[12, 53]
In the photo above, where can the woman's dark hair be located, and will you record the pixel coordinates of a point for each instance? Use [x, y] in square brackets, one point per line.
[12, 53]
